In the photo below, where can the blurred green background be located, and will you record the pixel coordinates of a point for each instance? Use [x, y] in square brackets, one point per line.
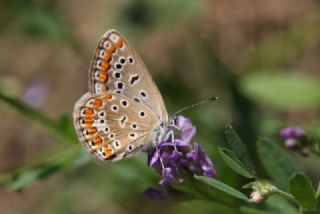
[260, 57]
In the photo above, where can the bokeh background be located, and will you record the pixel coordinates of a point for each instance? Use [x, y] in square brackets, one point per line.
[260, 57]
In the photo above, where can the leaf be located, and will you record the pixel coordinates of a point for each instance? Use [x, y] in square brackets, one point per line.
[239, 148]
[301, 189]
[234, 163]
[280, 204]
[31, 176]
[282, 90]
[222, 186]
[250, 210]
[66, 129]
[318, 192]
[278, 165]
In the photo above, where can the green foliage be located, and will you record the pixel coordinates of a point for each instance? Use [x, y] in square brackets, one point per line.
[301, 189]
[234, 163]
[222, 187]
[282, 90]
[239, 149]
[277, 163]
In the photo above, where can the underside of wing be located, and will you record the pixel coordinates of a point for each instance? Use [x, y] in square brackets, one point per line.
[117, 67]
[112, 126]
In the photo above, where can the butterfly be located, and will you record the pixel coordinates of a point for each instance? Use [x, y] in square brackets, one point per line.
[123, 112]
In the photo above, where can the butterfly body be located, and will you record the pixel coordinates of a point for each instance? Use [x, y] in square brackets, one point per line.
[123, 112]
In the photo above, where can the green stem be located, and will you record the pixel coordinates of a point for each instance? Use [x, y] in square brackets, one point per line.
[62, 156]
[285, 195]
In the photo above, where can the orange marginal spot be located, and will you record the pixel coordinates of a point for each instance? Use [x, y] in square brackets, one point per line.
[112, 48]
[96, 103]
[92, 130]
[107, 57]
[107, 97]
[105, 66]
[119, 43]
[87, 112]
[86, 122]
[103, 77]
[107, 151]
[104, 88]
[97, 141]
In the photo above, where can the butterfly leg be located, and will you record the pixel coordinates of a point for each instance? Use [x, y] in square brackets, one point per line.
[170, 135]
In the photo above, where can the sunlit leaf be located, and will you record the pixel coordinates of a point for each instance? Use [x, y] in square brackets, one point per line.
[282, 90]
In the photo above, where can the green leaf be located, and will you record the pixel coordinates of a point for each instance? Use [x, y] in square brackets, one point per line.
[318, 192]
[31, 176]
[234, 163]
[282, 90]
[66, 129]
[239, 149]
[250, 210]
[301, 189]
[222, 186]
[280, 204]
[279, 166]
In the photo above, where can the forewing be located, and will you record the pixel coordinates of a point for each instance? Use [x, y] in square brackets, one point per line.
[117, 67]
[112, 126]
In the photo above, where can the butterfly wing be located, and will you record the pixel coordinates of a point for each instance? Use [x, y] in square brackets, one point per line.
[117, 67]
[111, 126]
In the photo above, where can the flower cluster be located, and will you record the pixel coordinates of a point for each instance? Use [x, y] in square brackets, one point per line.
[175, 159]
[292, 137]
[296, 139]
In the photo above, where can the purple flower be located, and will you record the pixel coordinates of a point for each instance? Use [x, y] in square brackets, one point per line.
[294, 138]
[176, 159]
[286, 133]
[35, 94]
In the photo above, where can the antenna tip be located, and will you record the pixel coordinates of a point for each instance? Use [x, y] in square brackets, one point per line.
[214, 98]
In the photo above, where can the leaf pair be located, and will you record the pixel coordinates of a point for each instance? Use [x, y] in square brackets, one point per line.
[237, 158]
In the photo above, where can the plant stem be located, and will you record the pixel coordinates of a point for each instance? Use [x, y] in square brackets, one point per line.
[285, 195]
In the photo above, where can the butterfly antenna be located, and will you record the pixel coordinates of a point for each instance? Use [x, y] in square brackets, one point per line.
[194, 105]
